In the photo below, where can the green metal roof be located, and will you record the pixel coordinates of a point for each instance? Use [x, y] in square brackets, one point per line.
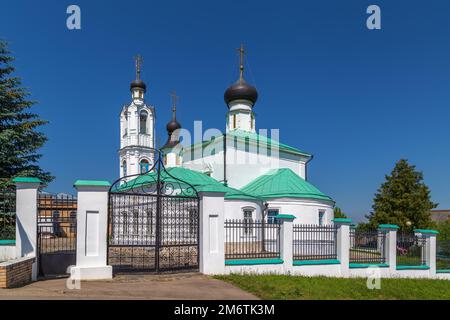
[260, 140]
[283, 183]
[200, 181]
[265, 141]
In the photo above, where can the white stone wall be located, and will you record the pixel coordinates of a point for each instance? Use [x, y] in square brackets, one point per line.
[242, 167]
[234, 209]
[7, 252]
[306, 211]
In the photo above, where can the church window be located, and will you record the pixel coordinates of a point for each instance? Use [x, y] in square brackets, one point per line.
[143, 122]
[248, 221]
[144, 166]
[234, 121]
[271, 216]
[124, 168]
[321, 217]
[247, 144]
[252, 121]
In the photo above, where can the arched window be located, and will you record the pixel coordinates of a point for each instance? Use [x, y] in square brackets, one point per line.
[124, 168]
[143, 122]
[144, 166]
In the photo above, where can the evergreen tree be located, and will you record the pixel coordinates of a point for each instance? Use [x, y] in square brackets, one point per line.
[403, 199]
[19, 138]
[338, 213]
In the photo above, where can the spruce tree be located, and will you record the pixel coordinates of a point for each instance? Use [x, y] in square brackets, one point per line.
[19, 138]
[403, 199]
[338, 213]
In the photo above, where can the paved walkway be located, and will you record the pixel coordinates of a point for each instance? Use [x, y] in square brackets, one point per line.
[191, 286]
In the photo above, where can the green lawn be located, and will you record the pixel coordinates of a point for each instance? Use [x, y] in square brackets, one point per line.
[315, 288]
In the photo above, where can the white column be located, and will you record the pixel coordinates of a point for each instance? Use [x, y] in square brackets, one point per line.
[26, 219]
[343, 243]
[286, 241]
[92, 230]
[430, 248]
[390, 245]
[212, 230]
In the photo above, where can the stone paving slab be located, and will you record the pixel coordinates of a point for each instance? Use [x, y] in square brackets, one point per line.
[192, 286]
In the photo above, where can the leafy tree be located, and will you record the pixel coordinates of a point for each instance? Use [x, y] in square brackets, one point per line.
[364, 226]
[19, 138]
[444, 230]
[403, 199]
[338, 213]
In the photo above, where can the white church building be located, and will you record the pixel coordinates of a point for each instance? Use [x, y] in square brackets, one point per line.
[262, 176]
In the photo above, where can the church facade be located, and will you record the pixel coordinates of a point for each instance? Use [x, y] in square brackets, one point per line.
[262, 177]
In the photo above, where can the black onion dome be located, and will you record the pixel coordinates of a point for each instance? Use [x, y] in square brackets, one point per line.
[172, 140]
[173, 125]
[240, 90]
[138, 84]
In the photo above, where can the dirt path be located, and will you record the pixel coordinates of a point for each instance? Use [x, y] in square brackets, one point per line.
[191, 286]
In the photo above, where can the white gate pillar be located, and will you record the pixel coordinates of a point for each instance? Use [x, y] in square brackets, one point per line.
[430, 248]
[26, 219]
[286, 241]
[92, 231]
[212, 230]
[390, 245]
[343, 243]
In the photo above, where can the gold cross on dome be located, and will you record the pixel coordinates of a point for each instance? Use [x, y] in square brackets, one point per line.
[139, 61]
[241, 60]
[175, 99]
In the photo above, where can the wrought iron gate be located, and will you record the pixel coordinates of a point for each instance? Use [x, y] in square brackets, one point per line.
[56, 233]
[153, 223]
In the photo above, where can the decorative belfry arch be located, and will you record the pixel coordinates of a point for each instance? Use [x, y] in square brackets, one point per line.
[153, 222]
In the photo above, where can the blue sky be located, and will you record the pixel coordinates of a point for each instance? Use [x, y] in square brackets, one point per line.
[359, 100]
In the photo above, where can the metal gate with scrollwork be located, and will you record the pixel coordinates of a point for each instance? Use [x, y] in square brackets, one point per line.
[153, 223]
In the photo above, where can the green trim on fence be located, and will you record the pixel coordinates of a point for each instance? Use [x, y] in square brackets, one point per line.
[252, 262]
[95, 183]
[443, 271]
[368, 265]
[413, 267]
[26, 179]
[388, 226]
[7, 242]
[315, 262]
[342, 220]
[285, 216]
[426, 231]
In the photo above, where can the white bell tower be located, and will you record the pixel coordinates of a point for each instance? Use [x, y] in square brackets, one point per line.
[137, 130]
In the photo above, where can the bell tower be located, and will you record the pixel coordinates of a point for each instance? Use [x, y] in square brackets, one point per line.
[137, 129]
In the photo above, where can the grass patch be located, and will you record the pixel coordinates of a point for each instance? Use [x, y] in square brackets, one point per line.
[284, 287]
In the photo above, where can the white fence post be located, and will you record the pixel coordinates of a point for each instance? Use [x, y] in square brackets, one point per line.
[92, 230]
[430, 248]
[343, 243]
[26, 219]
[286, 241]
[390, 245]
[212, 230]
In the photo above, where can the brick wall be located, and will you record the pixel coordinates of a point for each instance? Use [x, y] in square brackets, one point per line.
[15, 273]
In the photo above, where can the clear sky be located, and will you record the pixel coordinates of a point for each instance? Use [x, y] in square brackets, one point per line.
[359, 100]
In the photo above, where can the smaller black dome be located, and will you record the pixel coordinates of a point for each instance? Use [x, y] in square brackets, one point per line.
[172, 126]
[138, 84]
[240, 90]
